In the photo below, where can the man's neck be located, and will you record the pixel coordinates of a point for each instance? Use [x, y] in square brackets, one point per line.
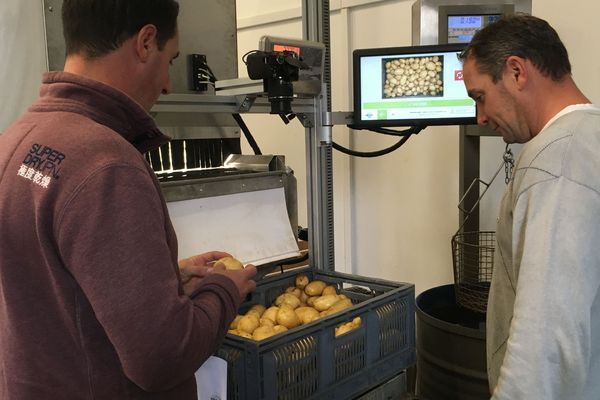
[550, 98]
[118, 69]
[101, 69]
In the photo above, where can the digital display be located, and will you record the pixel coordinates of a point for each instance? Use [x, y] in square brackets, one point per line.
[461, 28]
[281, 47]
[407, 86]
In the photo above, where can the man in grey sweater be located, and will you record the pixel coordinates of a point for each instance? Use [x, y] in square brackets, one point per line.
[93, 301]
[543, 320]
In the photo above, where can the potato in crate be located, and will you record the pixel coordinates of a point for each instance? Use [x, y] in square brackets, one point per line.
[362, 336]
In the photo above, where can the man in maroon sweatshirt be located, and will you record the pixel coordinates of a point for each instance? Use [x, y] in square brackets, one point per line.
[93, 302]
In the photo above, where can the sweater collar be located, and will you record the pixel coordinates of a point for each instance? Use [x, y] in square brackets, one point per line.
[103, 104]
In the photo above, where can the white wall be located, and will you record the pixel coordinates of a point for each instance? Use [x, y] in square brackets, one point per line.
[22, 56]
[577, 25]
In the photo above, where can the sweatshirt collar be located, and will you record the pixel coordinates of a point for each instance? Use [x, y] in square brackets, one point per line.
[63, 91]
[569, 109]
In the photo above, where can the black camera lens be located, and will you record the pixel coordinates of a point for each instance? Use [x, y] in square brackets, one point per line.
[277, 70]
[281, 94]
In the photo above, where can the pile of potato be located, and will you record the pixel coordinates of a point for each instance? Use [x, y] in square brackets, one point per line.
[413, 76]
[298, 305]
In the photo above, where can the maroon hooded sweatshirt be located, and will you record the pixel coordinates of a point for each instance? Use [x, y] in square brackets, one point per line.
[91, 303]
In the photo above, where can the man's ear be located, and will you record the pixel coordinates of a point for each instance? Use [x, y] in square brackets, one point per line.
[145, 41]
[516, 71]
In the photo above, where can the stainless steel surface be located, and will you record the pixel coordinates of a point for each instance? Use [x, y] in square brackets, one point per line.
[203, 29]
[181, 125]
[234, 87]
[182, 103]
[213, 186]
[54, 35]
[237, 183]
[208, 28]
[240, 86]
[256, 163]
[319, 174]
[426, 22]
[338, 118]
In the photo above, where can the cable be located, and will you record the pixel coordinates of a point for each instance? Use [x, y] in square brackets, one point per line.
[207, 73]
[247, 134]
[238, 118]
[406, 134]
[370, 154]
[245, 56]
[210, 72]
[392, 132]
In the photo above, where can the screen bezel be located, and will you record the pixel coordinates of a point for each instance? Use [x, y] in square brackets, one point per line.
[358, 54]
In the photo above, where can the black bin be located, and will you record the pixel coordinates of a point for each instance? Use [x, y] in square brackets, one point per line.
[451, 361]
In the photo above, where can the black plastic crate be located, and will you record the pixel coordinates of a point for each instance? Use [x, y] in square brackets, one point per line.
[309, 362]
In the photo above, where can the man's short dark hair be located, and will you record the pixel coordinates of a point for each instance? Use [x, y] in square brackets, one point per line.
[519, 35]
[94, 28]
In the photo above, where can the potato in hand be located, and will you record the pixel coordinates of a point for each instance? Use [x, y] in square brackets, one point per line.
[230, 263]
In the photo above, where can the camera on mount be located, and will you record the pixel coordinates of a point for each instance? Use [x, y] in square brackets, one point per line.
[277, 69]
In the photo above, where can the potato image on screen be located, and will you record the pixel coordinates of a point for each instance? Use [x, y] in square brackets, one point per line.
[412, 77]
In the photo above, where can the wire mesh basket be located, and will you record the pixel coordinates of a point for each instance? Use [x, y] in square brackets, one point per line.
[473, 252]
[473, 259]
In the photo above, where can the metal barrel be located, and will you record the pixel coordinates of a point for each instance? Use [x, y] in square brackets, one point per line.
[451, 361]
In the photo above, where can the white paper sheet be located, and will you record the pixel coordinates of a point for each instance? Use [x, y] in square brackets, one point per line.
[253, 227]
[211, 379]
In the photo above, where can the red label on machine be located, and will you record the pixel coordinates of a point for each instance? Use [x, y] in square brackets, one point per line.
[458, 75]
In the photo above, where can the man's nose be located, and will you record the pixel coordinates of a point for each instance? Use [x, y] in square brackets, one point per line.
[482, 118]
[167, 88]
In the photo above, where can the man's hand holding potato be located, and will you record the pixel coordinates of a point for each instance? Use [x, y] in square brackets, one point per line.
[194, 268]
[242, 277]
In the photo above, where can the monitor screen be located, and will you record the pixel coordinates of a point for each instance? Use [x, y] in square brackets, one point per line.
[410, 86]
[461, 28]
